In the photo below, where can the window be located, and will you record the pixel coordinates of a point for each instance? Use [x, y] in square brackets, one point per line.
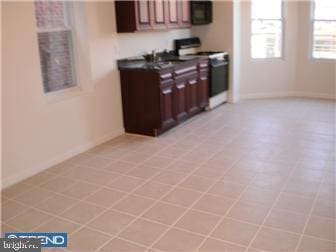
[324, 29]
[55, 44]
[267, 23]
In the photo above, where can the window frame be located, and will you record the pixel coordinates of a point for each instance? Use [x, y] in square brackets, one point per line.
[283, 22]
[61, 94]
[311, 36]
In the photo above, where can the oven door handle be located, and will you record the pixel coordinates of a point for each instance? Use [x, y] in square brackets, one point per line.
[223, 63]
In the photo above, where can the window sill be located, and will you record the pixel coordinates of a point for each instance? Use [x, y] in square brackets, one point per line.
[322, 60]
[65, 94]
[274, 59]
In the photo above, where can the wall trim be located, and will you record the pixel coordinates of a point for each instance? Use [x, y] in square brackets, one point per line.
[315, 95]
[287, 94]
[266, 95]
[6, 182]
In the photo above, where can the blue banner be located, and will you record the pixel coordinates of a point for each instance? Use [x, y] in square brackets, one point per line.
[48, 240]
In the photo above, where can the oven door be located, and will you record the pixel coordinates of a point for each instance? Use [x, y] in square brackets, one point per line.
[219, 78]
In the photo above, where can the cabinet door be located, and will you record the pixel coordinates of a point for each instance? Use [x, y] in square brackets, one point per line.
[159, 14]
[180, 99]
[166, 97]
[184, 18]
[143, 14]
[203, 89]
[173, 11]
[192, 95]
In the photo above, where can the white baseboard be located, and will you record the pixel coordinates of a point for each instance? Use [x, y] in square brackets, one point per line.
[315, 95]
[6, 182]
[265, 95]
[287, 94]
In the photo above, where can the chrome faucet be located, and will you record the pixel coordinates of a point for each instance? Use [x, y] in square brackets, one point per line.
[154, 55]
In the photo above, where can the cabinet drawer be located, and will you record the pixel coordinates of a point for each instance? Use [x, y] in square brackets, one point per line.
[186, 70]
[166, 76]
[203, 65]
[204, 71]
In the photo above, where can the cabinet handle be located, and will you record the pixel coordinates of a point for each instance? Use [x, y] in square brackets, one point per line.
[193, 82]
[166, 76]
[180, 86]
[184, 70]
[167, 91]
[203, 78]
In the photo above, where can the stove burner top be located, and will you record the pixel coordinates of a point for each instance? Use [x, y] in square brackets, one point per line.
[207, 53]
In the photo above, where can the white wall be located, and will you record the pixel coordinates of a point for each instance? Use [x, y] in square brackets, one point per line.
[268, 77]
[1, 111]
[218, 36]
[296, 74]
[236, 54]
[315, 78]
[39, 132]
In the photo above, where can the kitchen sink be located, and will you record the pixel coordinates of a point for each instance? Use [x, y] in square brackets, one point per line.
[172, 61]
[160, 64]
[169, 63]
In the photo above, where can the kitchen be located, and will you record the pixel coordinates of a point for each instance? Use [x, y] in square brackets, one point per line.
[253, 173]
[203, 74]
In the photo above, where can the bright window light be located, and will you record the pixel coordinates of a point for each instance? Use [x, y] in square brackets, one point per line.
[324, 29]
[267, 23]
[55, 33]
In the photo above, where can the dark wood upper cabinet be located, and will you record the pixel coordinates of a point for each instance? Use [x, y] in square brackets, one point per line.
[184, 20]
[159, 8]
[143, 15]
[139, 15]
[173, 13]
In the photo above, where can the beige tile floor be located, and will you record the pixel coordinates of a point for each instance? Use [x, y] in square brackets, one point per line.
[254, 176]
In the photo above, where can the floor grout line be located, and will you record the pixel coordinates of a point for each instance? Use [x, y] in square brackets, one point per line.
[98, 189]
[224, 215]
[59, 216]
[194, 203]
[172, 189]
[271, 208]
[157, 222]
[150, 206]
[152, 220]
[274, 204]
[204, 140]
[81, 200]
[309, 216]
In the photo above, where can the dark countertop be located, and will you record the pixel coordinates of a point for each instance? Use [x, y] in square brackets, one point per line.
[165, 62]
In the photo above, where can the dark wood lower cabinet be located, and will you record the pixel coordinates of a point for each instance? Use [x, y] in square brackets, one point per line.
[167, 106]
[180, 100]
[155, 101]
[193, 107]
